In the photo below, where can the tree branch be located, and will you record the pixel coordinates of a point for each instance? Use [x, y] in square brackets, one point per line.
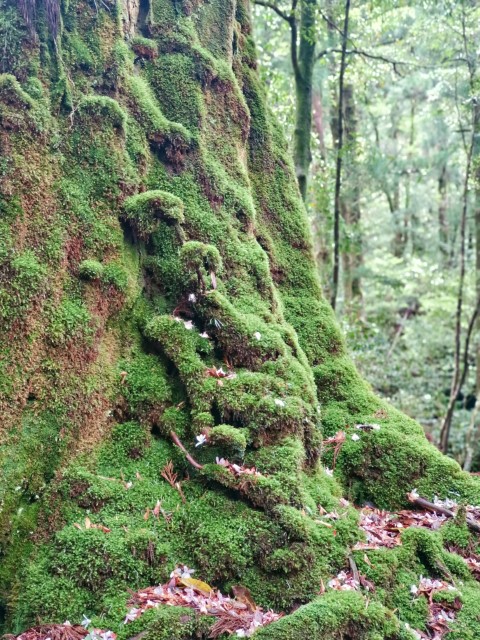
[179, 444]
[271, 5]
[365, 54]
[292, 21]
[430, 506]
[293, 41]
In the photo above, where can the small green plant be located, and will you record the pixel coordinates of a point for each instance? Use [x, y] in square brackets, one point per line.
[28, 270]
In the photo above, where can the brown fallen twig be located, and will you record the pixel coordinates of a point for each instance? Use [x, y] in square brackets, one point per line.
[354, 568]
[179, 444]
[430, 506]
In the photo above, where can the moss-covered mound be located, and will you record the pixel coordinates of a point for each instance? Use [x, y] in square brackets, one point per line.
[157, 281]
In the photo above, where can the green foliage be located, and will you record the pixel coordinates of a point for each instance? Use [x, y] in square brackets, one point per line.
[29, 273]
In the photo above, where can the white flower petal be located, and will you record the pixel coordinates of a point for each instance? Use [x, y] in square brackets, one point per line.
[201, 439]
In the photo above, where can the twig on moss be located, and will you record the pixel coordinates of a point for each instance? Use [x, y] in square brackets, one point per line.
[336, 442]
[430, 506]
[354, 568]
[171, 477]
[177, 441]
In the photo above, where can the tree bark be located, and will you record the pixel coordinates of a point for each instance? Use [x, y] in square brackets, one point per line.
[352, 247]
[338, 166]
[303, 64]
[442, 214]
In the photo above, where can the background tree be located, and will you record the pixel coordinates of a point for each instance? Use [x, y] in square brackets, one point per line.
[405, 169]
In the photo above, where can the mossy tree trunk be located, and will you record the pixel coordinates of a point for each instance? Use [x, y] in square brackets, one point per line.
[153, 240]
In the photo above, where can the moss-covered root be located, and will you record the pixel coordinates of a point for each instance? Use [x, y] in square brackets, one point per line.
[334, 616]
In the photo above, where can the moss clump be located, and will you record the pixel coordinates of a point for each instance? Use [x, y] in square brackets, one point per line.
[28, 271]
[163, 134]
[70, 319]
[103, 110]
[144, 47]
[230, 439]
[116, 275]
[12, 93]
[144, 383]
[146, 209]
[200, 260]
[90, 270]
[169, 623]
[336, 615]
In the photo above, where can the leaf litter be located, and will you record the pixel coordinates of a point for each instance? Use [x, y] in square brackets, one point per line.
[238, 615]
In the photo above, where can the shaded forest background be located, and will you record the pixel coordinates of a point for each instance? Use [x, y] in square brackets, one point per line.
[409, 209]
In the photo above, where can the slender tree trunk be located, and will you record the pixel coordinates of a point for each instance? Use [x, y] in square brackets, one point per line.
[442, 215]
[459, 374]
[338, 171]
[411, 220]
[472, 438]
[399, 239]
[473, 434]
[352, 255]
[302, 54]
[303, 64]
[321, 221]
[318, 123]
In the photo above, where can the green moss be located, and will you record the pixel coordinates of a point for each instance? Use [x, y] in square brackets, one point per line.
[214, 268]
[28, 271]
[456, 534]
[199, 257]
[144, 210]
[332, 617]
[144, 47]
[159, 129]
[230, 439]
[68, 320]
[169, 623]
[104, 110]
[467, 619]
[145, 382]
[12, 94]
[90, 270]
[116, 275]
